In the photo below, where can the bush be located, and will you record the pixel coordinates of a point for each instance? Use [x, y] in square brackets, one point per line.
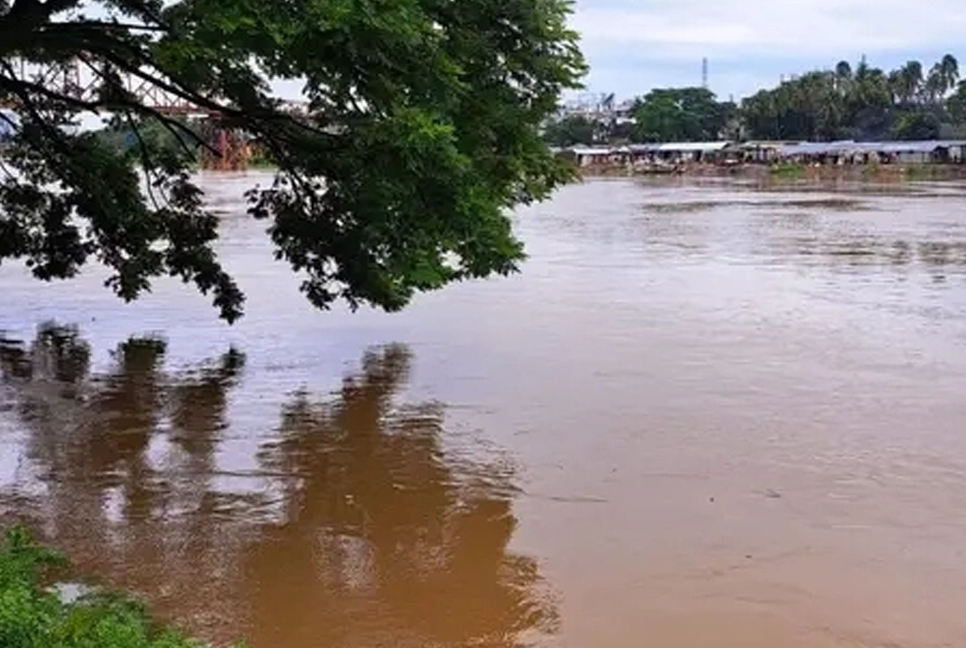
[35, 616]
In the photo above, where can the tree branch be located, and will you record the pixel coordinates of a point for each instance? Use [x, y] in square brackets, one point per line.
[110, 25]
[145, 162]
[54, 136]
[173, 126]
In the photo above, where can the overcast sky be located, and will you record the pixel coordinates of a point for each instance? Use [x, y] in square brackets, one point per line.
[635, 45]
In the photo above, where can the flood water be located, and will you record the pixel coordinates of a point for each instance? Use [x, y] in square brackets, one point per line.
[704, 415]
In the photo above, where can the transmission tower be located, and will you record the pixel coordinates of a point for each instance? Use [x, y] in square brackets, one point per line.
[704, 73]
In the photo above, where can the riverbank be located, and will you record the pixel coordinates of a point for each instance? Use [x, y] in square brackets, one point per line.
[873, 172]
[37, 610]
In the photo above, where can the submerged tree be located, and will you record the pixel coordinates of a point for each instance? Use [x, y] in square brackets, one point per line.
[421, 131]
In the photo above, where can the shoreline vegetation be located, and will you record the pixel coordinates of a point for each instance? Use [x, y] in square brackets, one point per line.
[35, 611]
[922, 171]
[838, 116]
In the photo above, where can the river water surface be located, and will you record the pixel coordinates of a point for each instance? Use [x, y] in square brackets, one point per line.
[704, 415]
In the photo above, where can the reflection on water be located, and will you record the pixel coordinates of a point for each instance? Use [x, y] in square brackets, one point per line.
[683, 207]
[713, 413]
[365, 533]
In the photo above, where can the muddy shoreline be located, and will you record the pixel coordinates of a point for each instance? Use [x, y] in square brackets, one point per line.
[874, 172]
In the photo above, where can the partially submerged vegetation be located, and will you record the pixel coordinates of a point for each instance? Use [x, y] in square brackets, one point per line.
[34, 615]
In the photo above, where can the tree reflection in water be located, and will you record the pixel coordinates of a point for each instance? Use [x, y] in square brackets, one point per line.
[382, 537]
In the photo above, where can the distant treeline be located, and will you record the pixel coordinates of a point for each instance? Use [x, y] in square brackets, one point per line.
[168, 138]
[860, 103]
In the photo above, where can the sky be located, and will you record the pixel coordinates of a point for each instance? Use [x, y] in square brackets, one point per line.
[635, 45]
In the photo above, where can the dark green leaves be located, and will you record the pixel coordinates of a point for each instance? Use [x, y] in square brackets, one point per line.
[864, 104]
[680, 115]
[34, 616]
[421, 133]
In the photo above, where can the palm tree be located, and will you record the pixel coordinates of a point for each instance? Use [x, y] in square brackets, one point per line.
[949, 71]
[912, 79]
[897, 87]
[956, 104]
[862, 69]
[935, 86]
[843, 76]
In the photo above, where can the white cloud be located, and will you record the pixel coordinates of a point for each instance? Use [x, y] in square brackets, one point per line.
[781, 27]
[761, 36]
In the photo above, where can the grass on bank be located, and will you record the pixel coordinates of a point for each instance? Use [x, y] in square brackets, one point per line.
[787, 170]
[32, 615]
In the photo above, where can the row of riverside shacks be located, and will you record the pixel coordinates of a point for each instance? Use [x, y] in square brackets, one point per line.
[766, 152]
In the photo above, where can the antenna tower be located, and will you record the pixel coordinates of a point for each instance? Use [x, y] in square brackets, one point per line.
[704, 73]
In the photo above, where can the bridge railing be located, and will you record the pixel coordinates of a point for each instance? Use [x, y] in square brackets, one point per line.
[80, 81]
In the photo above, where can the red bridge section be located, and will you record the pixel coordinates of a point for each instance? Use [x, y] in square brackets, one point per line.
[78, 81]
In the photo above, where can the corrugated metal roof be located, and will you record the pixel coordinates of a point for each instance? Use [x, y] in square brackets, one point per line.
[850, 147]
[763, 144]
[819, 148]
[842, 147]
[592, 150]
[693, 147]
[644, 148]
[920, 147]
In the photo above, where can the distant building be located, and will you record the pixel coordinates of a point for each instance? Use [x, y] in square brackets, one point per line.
[600, 108]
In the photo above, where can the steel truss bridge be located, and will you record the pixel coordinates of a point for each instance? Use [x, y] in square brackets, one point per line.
[78, 81]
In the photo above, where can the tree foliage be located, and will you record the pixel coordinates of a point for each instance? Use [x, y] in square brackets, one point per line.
[571, 130]
[33, 616]
[956, 104]
[663, 115]
[916, 126]
[680, 115]
[858, 103]
[421, 131]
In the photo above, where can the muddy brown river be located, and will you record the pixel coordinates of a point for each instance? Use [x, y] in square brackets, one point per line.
[705, 414]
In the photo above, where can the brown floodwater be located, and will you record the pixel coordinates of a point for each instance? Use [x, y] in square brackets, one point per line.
[705, 414]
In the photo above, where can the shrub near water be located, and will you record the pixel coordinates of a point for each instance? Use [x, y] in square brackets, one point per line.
[33, 616]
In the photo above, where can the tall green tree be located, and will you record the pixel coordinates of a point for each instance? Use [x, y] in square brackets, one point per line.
[912, 81]
[956, 104]
[949, 72]
[916, 126]
[861, 103]
[422, 129]
[934, 87]
[680, 114]
[570, 130]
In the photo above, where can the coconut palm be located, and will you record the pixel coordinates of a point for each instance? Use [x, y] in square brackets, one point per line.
[934, 86]
[912, 80]
[949, 72]
[897, 87]
[843, 76]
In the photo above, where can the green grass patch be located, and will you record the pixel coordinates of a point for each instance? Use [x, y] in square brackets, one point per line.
[35, 615]
[924, 171]
[787, 170]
